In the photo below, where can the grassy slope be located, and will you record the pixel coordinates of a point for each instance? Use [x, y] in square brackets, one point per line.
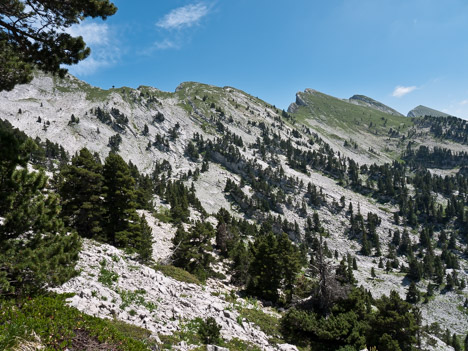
[46, 321]
[347, 116]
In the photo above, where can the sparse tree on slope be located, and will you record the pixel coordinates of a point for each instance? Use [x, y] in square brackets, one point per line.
[192, 250]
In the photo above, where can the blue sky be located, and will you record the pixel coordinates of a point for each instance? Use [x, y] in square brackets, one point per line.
[400, 52]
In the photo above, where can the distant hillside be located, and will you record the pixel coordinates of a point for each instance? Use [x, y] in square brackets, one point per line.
[356, 129]
[367, 130]
[421, 111]
[369, 102]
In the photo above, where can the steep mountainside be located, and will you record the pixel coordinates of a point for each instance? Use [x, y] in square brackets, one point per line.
[356, 174]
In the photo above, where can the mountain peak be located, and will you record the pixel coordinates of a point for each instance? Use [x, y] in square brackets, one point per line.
[367, 101]
[421, 110]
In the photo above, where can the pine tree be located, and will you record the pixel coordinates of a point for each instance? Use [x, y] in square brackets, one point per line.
[365, 249]
[265, 275]
[241, 258]
[35, 37]
[145, 130]
[36, 252]
[289, 264]
[122, 221]
[456, 343]
[396, 318]
[81, 191]
[222, 237]
[413, 295]
[192, 250]
[144, 246]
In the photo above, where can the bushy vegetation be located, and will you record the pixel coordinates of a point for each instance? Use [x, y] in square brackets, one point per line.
[47, 321]
[352, 323]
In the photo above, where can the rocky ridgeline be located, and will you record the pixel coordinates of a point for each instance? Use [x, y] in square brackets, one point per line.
[112, 285]
[145, 297]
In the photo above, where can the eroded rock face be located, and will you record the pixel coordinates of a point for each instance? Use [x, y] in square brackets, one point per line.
[144, 297]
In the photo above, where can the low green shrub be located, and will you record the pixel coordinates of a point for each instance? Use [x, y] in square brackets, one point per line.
[267, 323]
[107, 277]
[177, 273]
[57, 325]
[209, 331]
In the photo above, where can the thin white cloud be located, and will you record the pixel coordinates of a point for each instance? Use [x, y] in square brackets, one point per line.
[402, 91]
[166, 44]
[464, 102]
[183, 17]
[88, 66]
[92, 33]
[104, 47]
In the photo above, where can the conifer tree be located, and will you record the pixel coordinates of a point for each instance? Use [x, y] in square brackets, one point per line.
[81, 191]
[289, 264]
[36, 252]
[144, 246]
[395, 318]
[241, 261]
[192, 250]
[413, 295]
[33, 36]
[265, 275]
[122, 221]
[456, 343]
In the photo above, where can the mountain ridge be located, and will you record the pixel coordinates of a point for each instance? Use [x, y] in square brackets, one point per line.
[421, 111]
[325, 156]
[362, 99]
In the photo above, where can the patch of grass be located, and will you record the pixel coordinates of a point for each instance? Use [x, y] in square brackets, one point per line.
[462, 309]
[188, 332]
[163, 215]
[107, 277]
[137, 298]
[240, 345]
[339, 114]
[177, 273]
[267, 323]
[94, 93]
[186, 107]
[57, 325]
[386, 210]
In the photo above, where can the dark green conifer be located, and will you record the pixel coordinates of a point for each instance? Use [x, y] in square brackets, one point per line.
[122, 221]
[192, 250]
[36, 252]
[265, 275]
[81, 192]
[144, 246]
[413, 295]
